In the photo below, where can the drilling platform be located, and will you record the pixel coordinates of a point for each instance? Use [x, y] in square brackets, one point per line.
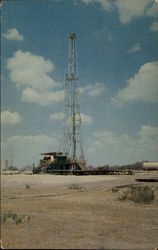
[70, 156]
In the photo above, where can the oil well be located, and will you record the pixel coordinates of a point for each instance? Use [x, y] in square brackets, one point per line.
[69, 159]
[70, 156]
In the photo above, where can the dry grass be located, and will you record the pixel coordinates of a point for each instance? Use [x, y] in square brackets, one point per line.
[70, 219]
[76, 187]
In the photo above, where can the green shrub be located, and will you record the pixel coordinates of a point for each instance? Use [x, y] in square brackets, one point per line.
[15, 218]
[138, 194]
[9, 214]
[3, 218]
[142, 194]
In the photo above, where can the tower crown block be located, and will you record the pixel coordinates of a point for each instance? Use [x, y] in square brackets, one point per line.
[72, 36]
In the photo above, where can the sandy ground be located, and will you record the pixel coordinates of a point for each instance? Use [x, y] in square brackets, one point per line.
[90, 217]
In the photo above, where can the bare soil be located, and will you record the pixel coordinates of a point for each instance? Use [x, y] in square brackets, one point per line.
[87, 215]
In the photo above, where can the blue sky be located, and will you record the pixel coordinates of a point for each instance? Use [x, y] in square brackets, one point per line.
[118, 65]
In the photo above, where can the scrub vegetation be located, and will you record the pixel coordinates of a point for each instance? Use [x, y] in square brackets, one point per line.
[14, 217]
[138, 194]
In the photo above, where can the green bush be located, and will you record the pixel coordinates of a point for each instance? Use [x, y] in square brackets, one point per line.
[142, 194]
[9, 214]
[3, 218]
[15, 218]
[138, 194]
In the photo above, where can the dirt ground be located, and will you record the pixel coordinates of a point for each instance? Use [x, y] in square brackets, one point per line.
[87, 215]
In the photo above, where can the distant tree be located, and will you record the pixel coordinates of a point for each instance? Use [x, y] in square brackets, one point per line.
[104, 167]
[134, 166]
[12, 168]
[137, 166]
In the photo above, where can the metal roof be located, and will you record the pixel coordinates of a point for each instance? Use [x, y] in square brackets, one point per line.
[52, 153]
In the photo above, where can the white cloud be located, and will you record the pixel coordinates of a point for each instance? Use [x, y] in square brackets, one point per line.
[130, 9]
[43, 99]
[84, 89]
[86, 119]
[35, 140]
[13, 34]
[107, 147]
[148, 132]
[27, 69]
[154, 26]
[8, 117]
[93, 89]
[116, 102]
[135, 48]
[96, 89]
[57, 116]
[31, 73]
[142, 87]
[107, 5]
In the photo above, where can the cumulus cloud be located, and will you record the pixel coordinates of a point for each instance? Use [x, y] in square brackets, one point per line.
[27, 69]
[57, 116]
[36, 140]
[43, 99]
[96, 89]
[135, 48]
[8, 117]
[13, 34]
[154, 26]
[84, 88]
[143, 87]
[31, 73]
[131, 9]
[85, 119]
[93, 89]
[106, 147]
[148, 132]
[128, 9]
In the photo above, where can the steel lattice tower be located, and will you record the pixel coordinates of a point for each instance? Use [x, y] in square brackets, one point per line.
[72, 125]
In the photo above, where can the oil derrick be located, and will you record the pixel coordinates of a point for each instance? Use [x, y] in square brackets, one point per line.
[72, 124]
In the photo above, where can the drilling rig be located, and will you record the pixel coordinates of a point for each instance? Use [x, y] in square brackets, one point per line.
[72, 126]
[70, 155]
